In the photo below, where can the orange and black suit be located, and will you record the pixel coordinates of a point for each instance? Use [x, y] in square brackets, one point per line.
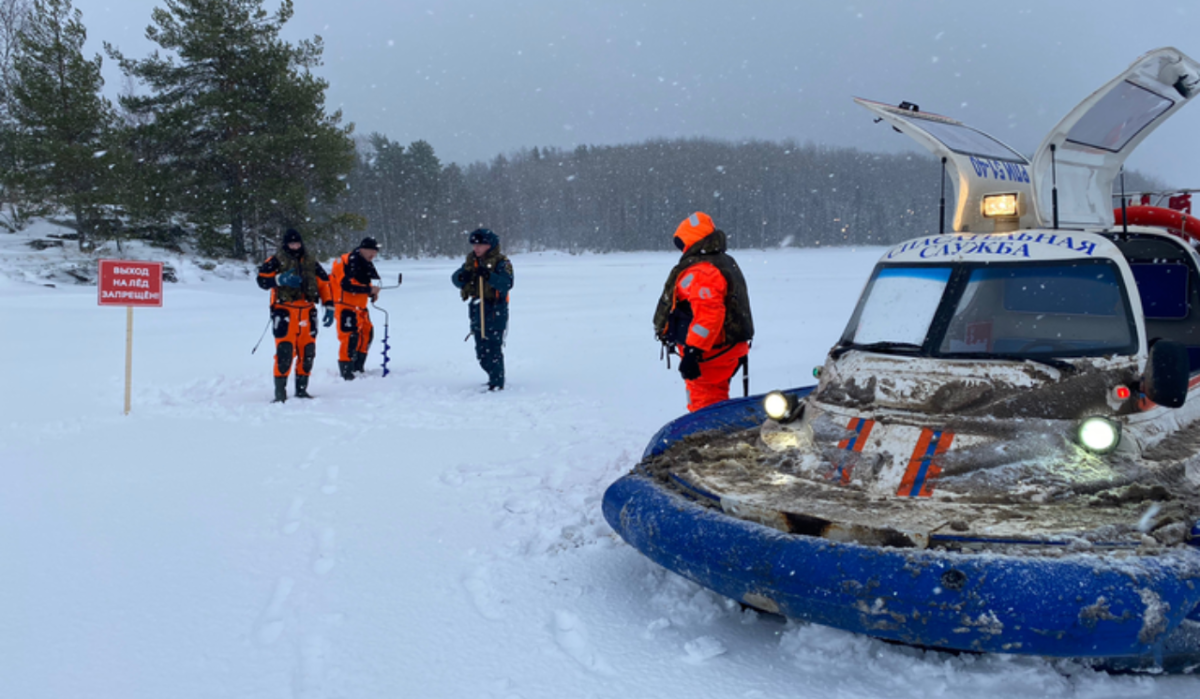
[704, 312]
[297, 283]
[351, 286]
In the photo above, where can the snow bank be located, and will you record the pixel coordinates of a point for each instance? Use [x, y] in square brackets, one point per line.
[47, 254]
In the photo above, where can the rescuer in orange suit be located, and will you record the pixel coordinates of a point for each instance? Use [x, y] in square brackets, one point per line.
[352, 286]
[704, 312]
[297, 282]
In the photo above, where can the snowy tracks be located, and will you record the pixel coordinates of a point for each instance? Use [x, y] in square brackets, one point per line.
[540, 503]
[291, 523]
[572, 637]
[271, 625]
[297, 625]
[486, 600]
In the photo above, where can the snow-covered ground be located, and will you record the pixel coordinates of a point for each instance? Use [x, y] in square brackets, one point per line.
[407, 536]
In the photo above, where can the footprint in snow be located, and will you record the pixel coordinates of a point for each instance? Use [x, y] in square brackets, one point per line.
[331, 478]
[523, 504]
[483, 596]
[571, 636]
[312, 458]
[309, 676]
[292, 523]
[654, 627]
[702, 649]
[271, 625]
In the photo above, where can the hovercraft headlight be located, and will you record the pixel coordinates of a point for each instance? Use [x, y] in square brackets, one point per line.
[781, 407]
[1099, 435]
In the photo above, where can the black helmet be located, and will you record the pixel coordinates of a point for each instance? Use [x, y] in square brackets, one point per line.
[292, 235]
[368, 243]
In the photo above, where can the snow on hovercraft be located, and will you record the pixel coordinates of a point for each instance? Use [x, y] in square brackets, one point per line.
[1001, 454]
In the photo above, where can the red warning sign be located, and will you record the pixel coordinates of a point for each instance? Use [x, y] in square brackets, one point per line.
[130, 283]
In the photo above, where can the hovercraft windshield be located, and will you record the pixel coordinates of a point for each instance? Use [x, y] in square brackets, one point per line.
[1039, 311]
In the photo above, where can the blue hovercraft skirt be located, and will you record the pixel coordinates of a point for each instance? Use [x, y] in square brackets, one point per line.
[1133, 609]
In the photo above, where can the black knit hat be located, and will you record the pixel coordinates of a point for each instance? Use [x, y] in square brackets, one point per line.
[292, 235]
[483, 236]
[368, 243]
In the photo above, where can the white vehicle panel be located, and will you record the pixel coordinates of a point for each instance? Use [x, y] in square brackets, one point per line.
[1084, 152]
[978, 164]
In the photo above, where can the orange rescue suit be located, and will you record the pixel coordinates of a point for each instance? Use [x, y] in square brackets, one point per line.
[354, 328]
[704, 288]
[293, 310]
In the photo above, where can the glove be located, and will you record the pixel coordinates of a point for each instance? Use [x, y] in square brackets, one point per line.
[289, 279]
[689, 366]
[466, 275]
[328, 320]
[483, 272]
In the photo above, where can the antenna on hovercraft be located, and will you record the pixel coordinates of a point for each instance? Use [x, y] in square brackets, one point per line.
[942, 202]
[1054, 184]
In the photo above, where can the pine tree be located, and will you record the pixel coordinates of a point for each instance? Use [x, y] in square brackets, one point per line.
[383, 175]
[420, 187]
[461, 211]
[13, 15]
[235, 120]
[62, 120]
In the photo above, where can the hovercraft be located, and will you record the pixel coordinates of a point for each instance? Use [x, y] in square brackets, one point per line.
[1002, 453]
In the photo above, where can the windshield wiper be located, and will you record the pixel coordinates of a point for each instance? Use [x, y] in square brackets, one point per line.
[1059, 364]
[880, 347]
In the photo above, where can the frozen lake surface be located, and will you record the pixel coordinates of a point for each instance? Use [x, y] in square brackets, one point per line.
[407, 536]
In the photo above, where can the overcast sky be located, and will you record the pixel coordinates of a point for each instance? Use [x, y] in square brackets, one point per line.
[480, 77]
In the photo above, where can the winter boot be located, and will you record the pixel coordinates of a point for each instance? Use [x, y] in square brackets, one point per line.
[346, 369]
[360, 362]
[302, 387]
[280, 389]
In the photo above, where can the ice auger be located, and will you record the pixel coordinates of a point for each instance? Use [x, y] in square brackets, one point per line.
[386, 346]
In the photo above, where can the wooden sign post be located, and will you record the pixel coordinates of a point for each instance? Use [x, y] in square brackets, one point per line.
[130, 283]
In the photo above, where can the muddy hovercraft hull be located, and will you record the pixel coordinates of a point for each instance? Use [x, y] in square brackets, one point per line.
[1131, 612]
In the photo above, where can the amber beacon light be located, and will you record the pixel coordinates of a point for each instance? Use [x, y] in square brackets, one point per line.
[1000, 205]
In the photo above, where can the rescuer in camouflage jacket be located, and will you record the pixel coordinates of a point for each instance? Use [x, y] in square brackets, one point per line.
[297, 283]
[484, 280]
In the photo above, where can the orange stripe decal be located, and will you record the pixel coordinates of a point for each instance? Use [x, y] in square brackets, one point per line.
[922, 468]
[861, 428]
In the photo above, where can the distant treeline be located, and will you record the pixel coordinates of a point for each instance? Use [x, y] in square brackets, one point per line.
[631, 197]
